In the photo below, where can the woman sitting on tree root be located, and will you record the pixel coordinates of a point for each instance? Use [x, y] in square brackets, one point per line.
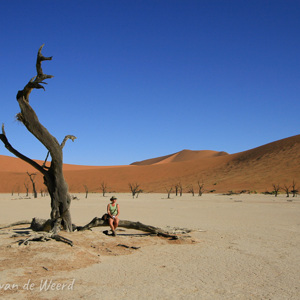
[113, 210]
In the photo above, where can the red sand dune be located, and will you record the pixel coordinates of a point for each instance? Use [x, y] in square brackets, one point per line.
[256, 170]
[183, 155]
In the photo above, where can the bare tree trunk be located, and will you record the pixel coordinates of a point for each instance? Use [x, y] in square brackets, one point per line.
[176, 189]
[169, 191]
[86, 190]
[294, 190]
[200, 186]
[53, 175]
[26, 186]
[287, 190]
[191, 190]
[103, 188]
[276, 189]
[60, 197]
[180, 189]
[130, 225]
[32, 176]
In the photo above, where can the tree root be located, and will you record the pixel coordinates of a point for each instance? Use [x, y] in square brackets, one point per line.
[48, 229]
[44, 237]
[14, 224]
[96, 222]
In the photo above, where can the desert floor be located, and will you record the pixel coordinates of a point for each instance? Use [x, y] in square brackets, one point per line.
[242, 247]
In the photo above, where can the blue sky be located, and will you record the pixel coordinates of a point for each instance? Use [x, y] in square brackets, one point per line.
[140, 79]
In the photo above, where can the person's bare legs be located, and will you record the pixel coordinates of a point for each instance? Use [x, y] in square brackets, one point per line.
[115, 224]
[111, 224]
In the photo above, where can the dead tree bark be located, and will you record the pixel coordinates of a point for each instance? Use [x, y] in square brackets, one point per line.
[46, 232]
[53, 175]
[130, 225]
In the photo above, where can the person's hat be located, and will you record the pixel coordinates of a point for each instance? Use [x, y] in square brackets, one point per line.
[113, 198]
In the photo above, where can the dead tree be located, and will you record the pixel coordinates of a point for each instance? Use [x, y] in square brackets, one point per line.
[180, 188]
[134, 188]
[191, 190]
[32, 177]
[276, 189]
[176, 189]
[86, 190]
[287, 190]
[294, 190]
[26, 187]
[53, 174]
[131, 225]
[103, 188]
[200, 186]
[169, 191]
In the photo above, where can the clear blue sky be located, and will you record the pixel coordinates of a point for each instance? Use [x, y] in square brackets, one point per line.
[141, 79]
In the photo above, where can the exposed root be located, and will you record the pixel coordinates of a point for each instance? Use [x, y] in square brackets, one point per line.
[130, 225]
[44, 237]
[15, 224]
[48, 229]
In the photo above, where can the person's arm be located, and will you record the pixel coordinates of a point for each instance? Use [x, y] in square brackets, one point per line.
[118, 207]
[108, 211]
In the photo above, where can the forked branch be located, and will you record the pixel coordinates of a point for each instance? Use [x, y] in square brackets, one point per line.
[67, 137]
[35, 82]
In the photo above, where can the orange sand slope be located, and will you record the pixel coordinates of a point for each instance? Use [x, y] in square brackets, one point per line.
[255, 170]
[183, 155]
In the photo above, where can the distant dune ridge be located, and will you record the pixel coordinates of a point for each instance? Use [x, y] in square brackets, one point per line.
[255, 170]
[184, 155]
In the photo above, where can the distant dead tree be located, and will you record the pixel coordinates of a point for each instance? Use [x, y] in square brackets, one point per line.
[32, 177]
[276, 189]
[191, 190]
[176, 188]
[103, 187]
[169, 191]
[287, 190]
[26, 187]
[134, 188]
[86, 190]
[294, 190]
[180, 188]
[53, 174]
[200, 186]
